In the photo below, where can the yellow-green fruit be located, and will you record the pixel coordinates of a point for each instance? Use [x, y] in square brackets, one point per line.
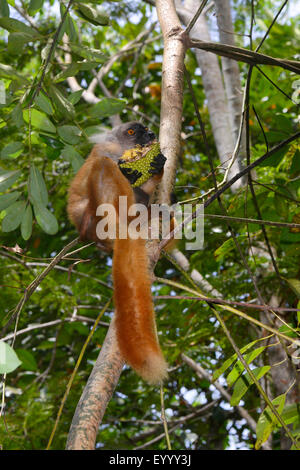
[139, 158]
[133, 154]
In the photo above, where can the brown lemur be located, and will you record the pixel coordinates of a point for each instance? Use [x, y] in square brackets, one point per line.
[101, 180]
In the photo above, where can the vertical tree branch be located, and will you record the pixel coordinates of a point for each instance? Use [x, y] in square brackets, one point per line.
[96, 395]
[172, 92]
[230, 68]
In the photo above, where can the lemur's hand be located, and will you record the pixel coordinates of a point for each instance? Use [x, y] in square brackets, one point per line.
[157, 164]
[130, 174]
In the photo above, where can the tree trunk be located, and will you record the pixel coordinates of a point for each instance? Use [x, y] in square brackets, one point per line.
[214, 89]
[230, 68]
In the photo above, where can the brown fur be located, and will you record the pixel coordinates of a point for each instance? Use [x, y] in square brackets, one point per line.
[100, 181]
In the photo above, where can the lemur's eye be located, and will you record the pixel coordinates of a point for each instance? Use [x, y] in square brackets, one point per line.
[146, 129]
[130, 132]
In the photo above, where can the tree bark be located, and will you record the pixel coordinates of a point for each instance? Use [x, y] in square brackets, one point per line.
[96, 395]
[230, 68]
[172, 93]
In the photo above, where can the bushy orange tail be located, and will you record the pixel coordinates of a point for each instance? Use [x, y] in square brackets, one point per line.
[134, 315]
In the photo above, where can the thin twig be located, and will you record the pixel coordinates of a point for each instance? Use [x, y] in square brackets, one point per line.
[261, 128]
[271, 25]
[36, 282]
[227, 185]
[282, 195]
[204, 374]
[227, 302]
[163, 417]
[252, 221]
[244, 55]
[254, 379]
[195, 18]
[273, 83]
[53, 45]
[77, 273]
[52, 323]
[178, 422]
[136, 58]
[223, 210]
[228, 308]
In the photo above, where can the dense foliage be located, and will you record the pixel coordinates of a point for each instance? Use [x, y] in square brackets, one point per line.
[44, 127]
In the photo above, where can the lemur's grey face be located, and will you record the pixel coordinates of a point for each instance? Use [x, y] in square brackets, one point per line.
[133, 133]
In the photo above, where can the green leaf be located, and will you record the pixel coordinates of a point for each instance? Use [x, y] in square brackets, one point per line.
[35, 5]
[17, 41]
[77, 326]
[70, 134]
[45, 345]
[70, 71]
[267, 421]
[12, 150]
[107, 107]
[14, 215]
[71, 28]
[7, 178]
[46, 51]
[281, 205]
[61, 103]
[53, 146]
[72, 156]
[290, 414]
[4, 8]
[288, 330]
[15, 26]
[37, 188]
[92, 15]
[226, 364]
[39, 121]
[239, 368]
[244, 382]
[223, 251]
[276, 158]
[75, 96]
[6, 71]
[17, 115]
[9, 361]
[26, 224]
[282, 123]
[8, 199]
[46, 220]
[74, 68]
[262, 24]
[27, 359]
[94, 55]
[295, 285]
[289, 237]
[43, 103]
[295, 166]
[86, 65]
